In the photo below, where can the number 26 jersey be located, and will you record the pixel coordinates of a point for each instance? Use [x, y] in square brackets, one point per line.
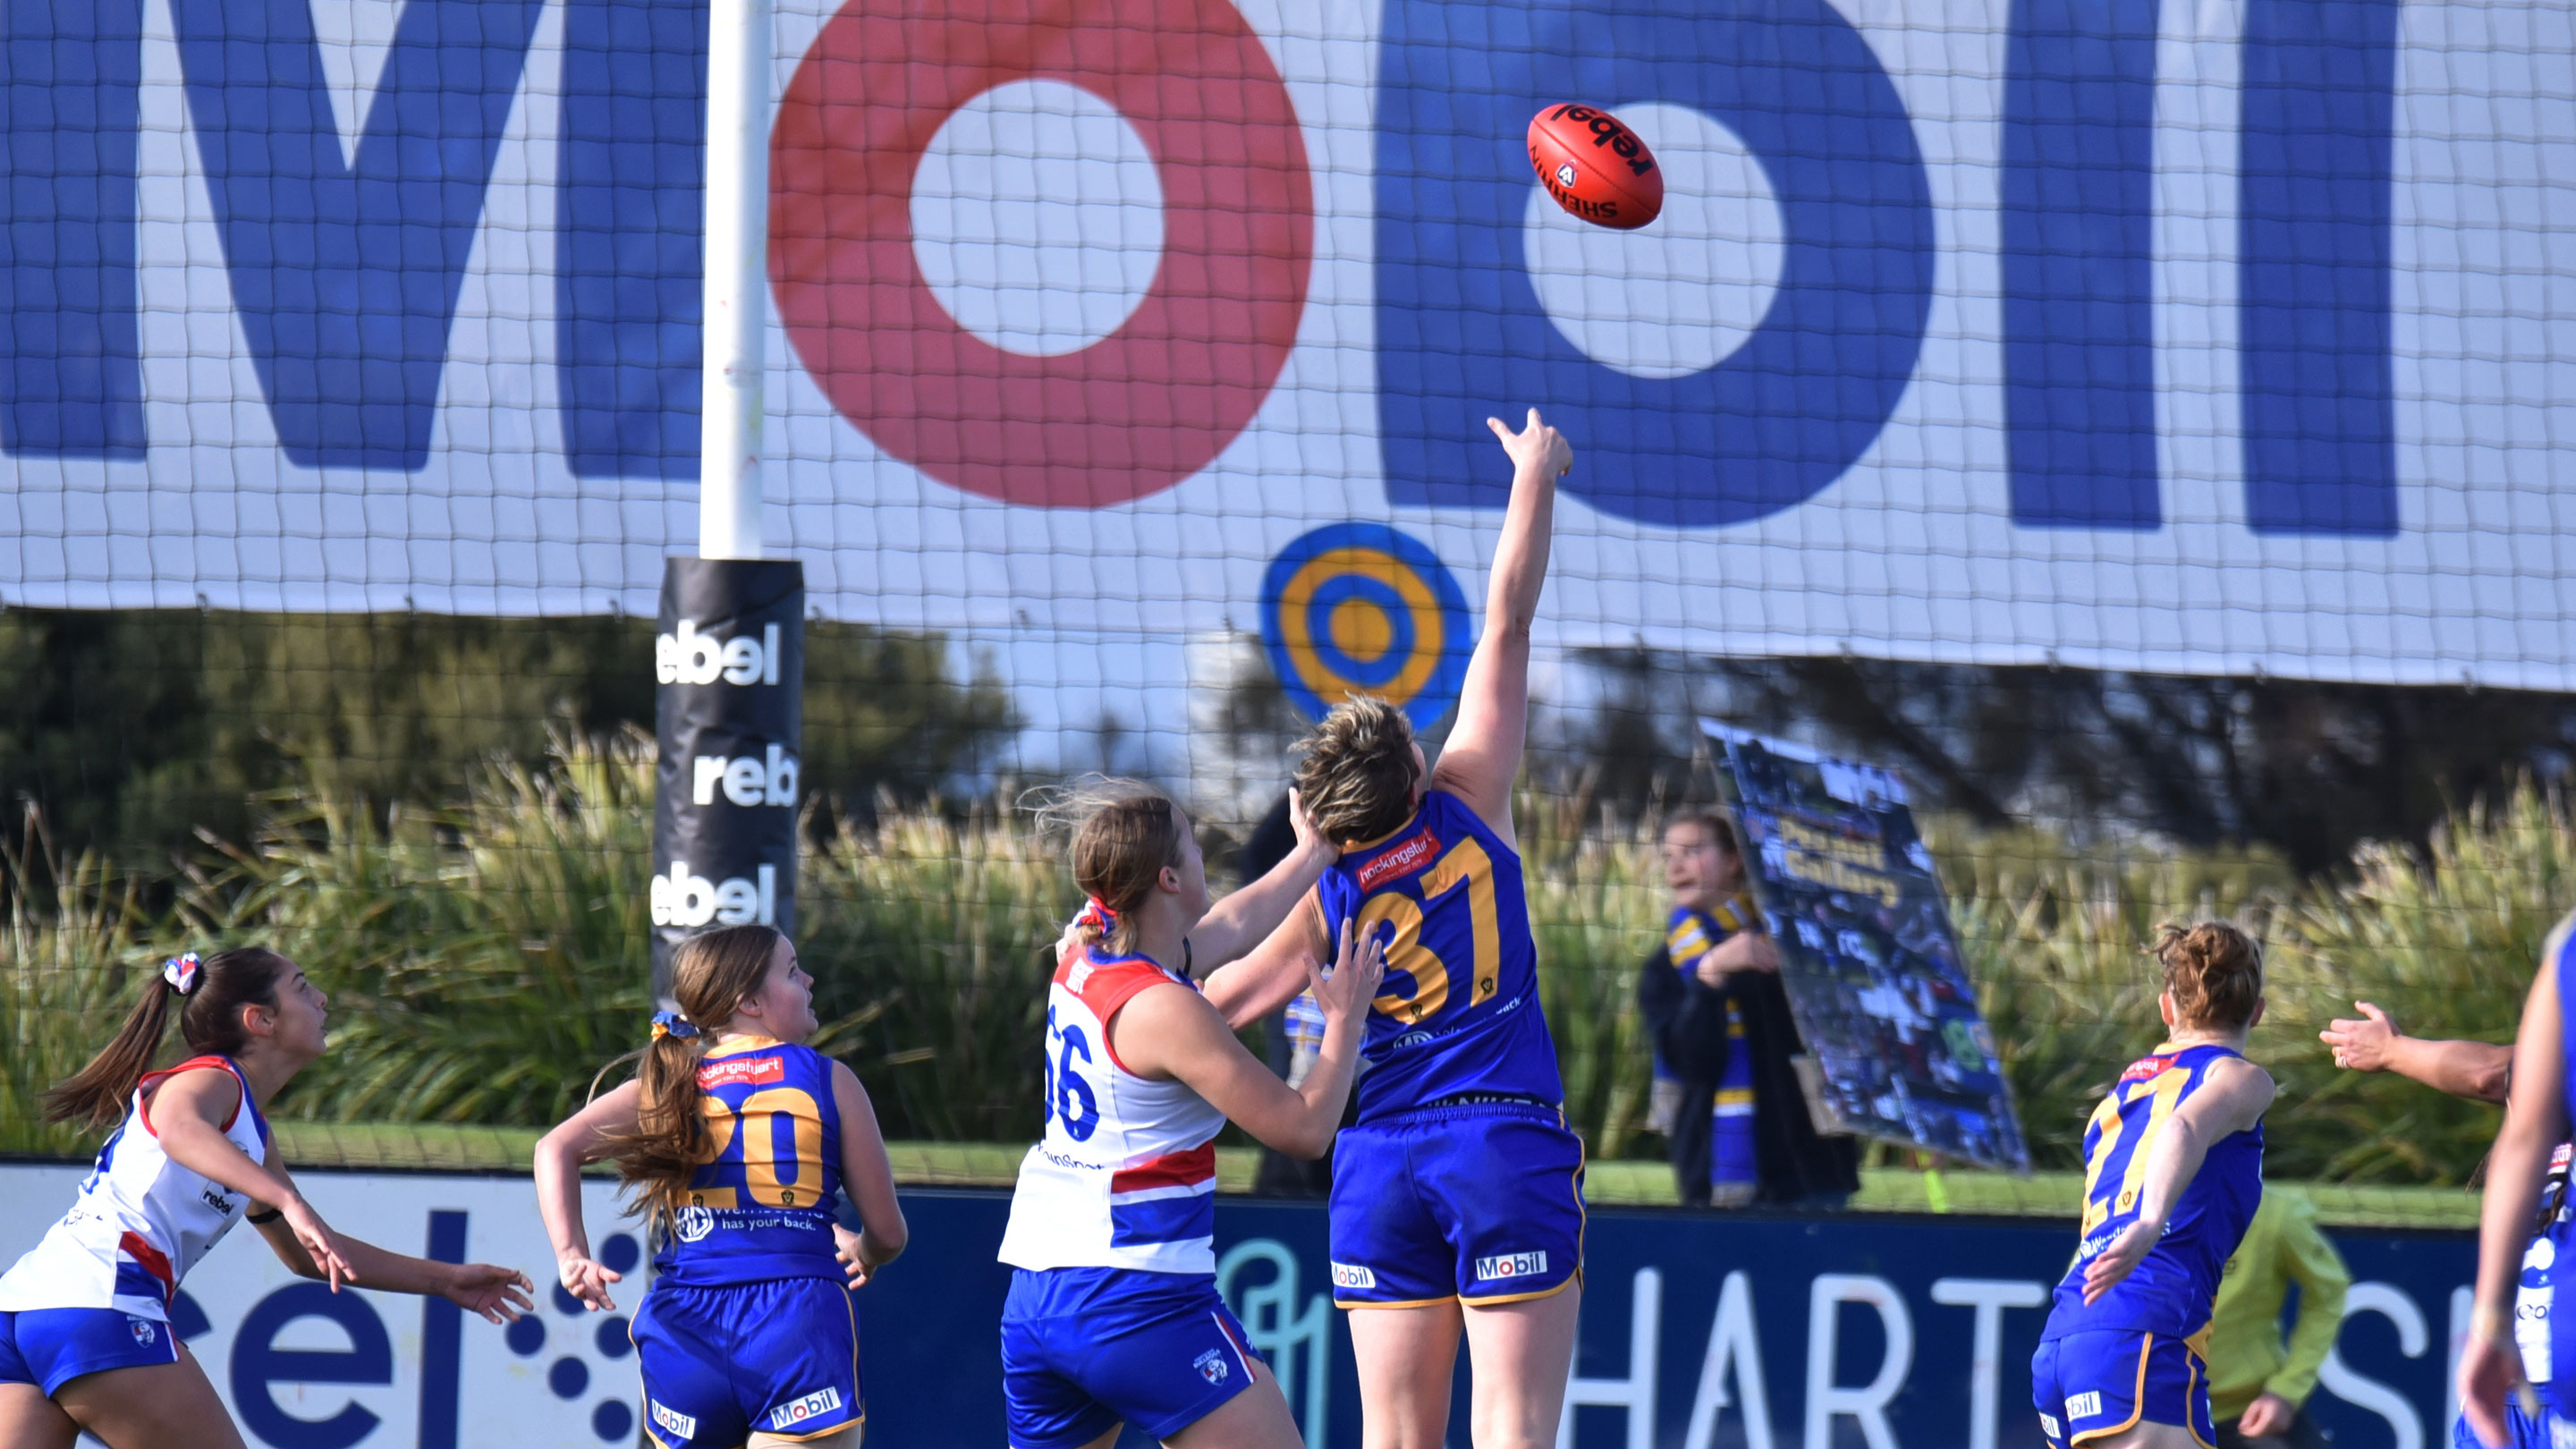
[1458, 1011]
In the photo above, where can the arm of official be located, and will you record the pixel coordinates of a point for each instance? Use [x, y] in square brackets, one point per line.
[1246, 918]
[1483, 754]
[2231, 1099]
[2322, 1277]
[1274, 972]
[2479, 1071]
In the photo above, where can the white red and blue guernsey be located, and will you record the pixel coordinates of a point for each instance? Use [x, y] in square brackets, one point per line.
[141, 1221]
[1126, 1174]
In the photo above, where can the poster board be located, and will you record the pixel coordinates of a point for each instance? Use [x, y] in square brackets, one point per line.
[1871, 964]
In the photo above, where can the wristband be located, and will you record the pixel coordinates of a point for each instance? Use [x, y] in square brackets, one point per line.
[258, 1219]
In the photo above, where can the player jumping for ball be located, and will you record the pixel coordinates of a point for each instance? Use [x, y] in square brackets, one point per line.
[1458, 1195]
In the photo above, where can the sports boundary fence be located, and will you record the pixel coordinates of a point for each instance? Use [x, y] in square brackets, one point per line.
[1698, 1331]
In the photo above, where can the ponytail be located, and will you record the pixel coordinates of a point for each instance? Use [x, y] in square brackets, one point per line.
[211, 994]
[711, 973]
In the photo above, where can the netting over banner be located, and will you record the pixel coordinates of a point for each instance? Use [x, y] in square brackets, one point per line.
[2148, 421]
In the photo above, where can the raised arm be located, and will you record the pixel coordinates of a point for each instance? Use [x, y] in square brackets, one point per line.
[582, 1137]
[868, 1176]
[1246, 918]
[1276, 970]
[2534, 1122]
[2231, 1100]
[2480, 1071]
[1483, 755]
[1168, 1032]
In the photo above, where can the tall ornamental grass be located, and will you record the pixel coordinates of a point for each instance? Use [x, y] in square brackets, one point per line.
[485, 960]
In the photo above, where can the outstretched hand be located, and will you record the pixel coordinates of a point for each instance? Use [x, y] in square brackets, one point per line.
[495, 1293]
[1537, 449]
[1310, 836]
[587, 1280]
[1352, 986]
[2361, 1046]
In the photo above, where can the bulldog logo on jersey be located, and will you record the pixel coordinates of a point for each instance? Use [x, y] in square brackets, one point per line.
[1211, 1366]
[144, 1331]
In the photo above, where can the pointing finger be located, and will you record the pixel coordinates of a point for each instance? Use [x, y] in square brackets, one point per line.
[1499, 430]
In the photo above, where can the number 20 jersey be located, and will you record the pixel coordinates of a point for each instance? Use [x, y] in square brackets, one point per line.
[1126, 1174]
[762, 1210]
[1458, 1010]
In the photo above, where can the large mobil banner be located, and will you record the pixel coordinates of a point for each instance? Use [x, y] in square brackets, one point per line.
[2222, 336]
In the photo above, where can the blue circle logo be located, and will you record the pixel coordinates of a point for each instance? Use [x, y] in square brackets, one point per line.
[1358, 608]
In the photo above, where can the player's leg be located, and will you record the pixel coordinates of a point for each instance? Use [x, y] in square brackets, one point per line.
[159, 1406]
[1522, 1353]
[2160, 1403]
[1257, 1418]
[847, 1437]
[29, 1420]
[1406, 1357]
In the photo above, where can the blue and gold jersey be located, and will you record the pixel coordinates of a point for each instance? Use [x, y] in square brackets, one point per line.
[2175, 1288]
[762, 1210]
[1458, 1010]
[1691, 934]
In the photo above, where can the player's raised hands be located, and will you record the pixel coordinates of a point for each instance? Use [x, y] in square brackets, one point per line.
[494, 1293]
[1352, 983]
[587, 1279]
[1310, 836]
[1537, 449]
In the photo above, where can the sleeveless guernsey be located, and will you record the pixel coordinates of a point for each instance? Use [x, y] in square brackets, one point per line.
[2174, 1290]
[141, 1220]
[1458, 1011]
[762, 1210]
[1126, 1174]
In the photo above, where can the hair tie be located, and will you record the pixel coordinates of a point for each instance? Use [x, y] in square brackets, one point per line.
[1097, 915]
[671, 1023]
[182, 971]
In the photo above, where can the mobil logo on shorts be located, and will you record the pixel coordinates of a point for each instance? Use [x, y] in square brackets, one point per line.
[797, 1411]
[1510, 1265]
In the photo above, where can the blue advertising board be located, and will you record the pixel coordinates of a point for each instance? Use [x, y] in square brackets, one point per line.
[1699, 1331]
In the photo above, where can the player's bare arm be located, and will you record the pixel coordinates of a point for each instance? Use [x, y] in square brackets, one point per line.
[2479, 1071]
[581, 1138]
[1168, 1033]
[2535, 1121]
[1250, 916]
[868, 1176]
[2231, 1100]
[191, 1110]
[486, 1290]
[1483, 755]
[1275, 971]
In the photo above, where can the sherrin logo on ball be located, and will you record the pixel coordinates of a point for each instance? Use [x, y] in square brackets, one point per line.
[1595, 167]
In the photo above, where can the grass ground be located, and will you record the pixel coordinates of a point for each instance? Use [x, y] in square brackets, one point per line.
[409, 1146]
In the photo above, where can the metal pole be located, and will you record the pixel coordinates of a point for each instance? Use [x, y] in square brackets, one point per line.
[737, 286]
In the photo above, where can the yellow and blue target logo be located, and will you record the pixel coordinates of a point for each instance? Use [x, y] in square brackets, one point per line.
[1358, 608]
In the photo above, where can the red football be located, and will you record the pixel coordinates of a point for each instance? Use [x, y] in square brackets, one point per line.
[1595, 167]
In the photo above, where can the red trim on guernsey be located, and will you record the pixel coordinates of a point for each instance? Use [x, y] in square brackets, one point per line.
[192, 1064]
[1107, 987]
[132, 1245]
[1172, 1169]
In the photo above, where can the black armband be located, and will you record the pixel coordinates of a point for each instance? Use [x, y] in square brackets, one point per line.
[258, 1219]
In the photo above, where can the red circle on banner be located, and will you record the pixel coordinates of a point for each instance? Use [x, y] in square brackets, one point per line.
[1130, 415]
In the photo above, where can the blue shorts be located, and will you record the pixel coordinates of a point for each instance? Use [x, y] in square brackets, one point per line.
[1481, 1203]
[50, 1347]
[2521, 1430]
[1085, 1349]
[722, 1364]
[2087, 1385]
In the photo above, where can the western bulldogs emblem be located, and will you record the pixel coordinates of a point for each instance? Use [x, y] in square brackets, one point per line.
[144, 1329]
[1211, 1366]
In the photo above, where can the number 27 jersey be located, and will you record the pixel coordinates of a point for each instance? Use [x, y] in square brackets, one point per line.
[1458, 1010]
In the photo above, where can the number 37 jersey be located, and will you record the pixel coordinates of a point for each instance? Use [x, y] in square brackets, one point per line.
[762, 1210]
[1458, 1010]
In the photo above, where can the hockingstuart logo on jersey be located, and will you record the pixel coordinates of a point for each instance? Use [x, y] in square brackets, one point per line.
[797, 1411]
[2146, 1069]
[741, 1071]
[1510, 1265]
[1396, 860]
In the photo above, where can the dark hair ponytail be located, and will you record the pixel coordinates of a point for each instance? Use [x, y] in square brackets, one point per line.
[210, 1020]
